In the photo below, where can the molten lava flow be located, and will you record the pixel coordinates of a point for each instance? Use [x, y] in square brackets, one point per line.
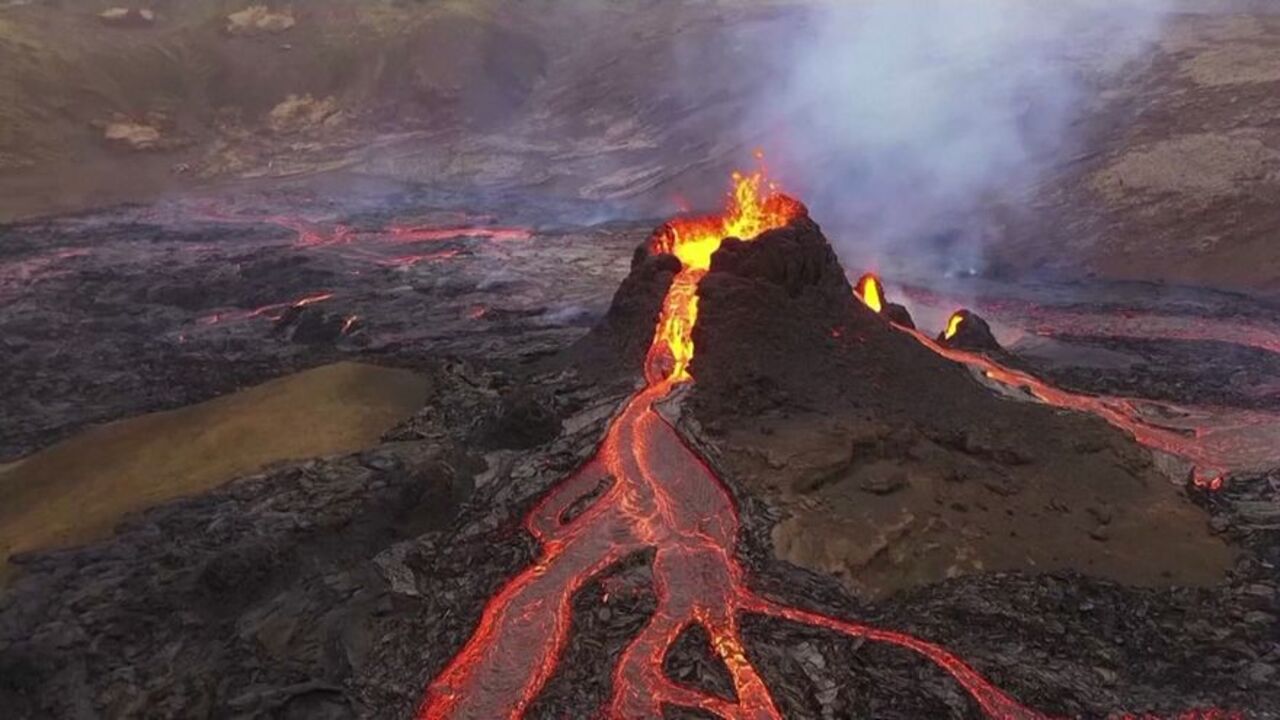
[665, 498]
[364, 245]
[870, 291]
[693, 241]
[1119, 412]
[1136, 323]
[953, 325]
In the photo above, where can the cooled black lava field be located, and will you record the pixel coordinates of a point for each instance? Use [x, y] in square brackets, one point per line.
[344, 586]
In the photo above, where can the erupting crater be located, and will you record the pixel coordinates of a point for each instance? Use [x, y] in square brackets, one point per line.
[660, 495]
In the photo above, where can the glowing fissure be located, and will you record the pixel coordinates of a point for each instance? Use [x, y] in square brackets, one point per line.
[665, 498]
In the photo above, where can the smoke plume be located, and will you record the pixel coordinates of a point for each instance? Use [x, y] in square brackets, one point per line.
[905, 121]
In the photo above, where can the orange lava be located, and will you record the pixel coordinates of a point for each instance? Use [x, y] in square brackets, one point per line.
[693, 241]
[662, 497]
[1119, 412]
[870, 292]
[364, 245]
[1210, 470]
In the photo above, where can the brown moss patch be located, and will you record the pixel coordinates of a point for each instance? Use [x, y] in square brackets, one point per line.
[78, 489]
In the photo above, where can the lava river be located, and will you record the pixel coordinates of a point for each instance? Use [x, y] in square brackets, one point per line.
[1211, 461]
[660, 496]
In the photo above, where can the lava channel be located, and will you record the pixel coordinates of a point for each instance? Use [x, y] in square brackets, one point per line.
[663, 497]
[1210, 466]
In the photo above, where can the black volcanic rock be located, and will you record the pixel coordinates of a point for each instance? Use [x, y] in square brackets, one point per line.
[521, 421]
[796, 258]
[777, 315]
[616, 347]
[973, 333]
[891, 445]
[898, 314]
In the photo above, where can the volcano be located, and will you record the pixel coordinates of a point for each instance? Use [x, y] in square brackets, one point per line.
[731, 304]
[662, 497]
[431, 369]
[734, 490]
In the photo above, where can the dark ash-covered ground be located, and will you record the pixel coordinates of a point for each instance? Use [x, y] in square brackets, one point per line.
[338, 587]
[111, 314]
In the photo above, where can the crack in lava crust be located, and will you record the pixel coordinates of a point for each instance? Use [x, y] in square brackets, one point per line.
[666, 498]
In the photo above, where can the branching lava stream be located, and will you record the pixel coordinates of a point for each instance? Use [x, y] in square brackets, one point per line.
[663, 497]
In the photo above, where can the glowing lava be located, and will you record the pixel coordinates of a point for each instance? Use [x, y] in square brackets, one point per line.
[870, 291]
[662, 497]
[269, 311]
[1121, 322]
[366, 245]
[1119, 412]
[953, 325]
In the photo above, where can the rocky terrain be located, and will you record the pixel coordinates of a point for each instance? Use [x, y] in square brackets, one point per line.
[1166, 175]
[213, 209]
[338, 587]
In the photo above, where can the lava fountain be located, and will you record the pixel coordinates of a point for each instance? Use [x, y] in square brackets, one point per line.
[660, 496]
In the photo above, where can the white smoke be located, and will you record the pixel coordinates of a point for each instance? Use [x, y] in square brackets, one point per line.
[905, 121]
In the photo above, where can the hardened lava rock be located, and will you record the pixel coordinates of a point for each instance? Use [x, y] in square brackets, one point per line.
[967, 330]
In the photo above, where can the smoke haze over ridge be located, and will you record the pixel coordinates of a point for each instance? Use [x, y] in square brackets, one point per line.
[901, 121]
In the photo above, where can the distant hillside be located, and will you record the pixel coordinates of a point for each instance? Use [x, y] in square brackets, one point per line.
[642, 102]
[98, 107]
